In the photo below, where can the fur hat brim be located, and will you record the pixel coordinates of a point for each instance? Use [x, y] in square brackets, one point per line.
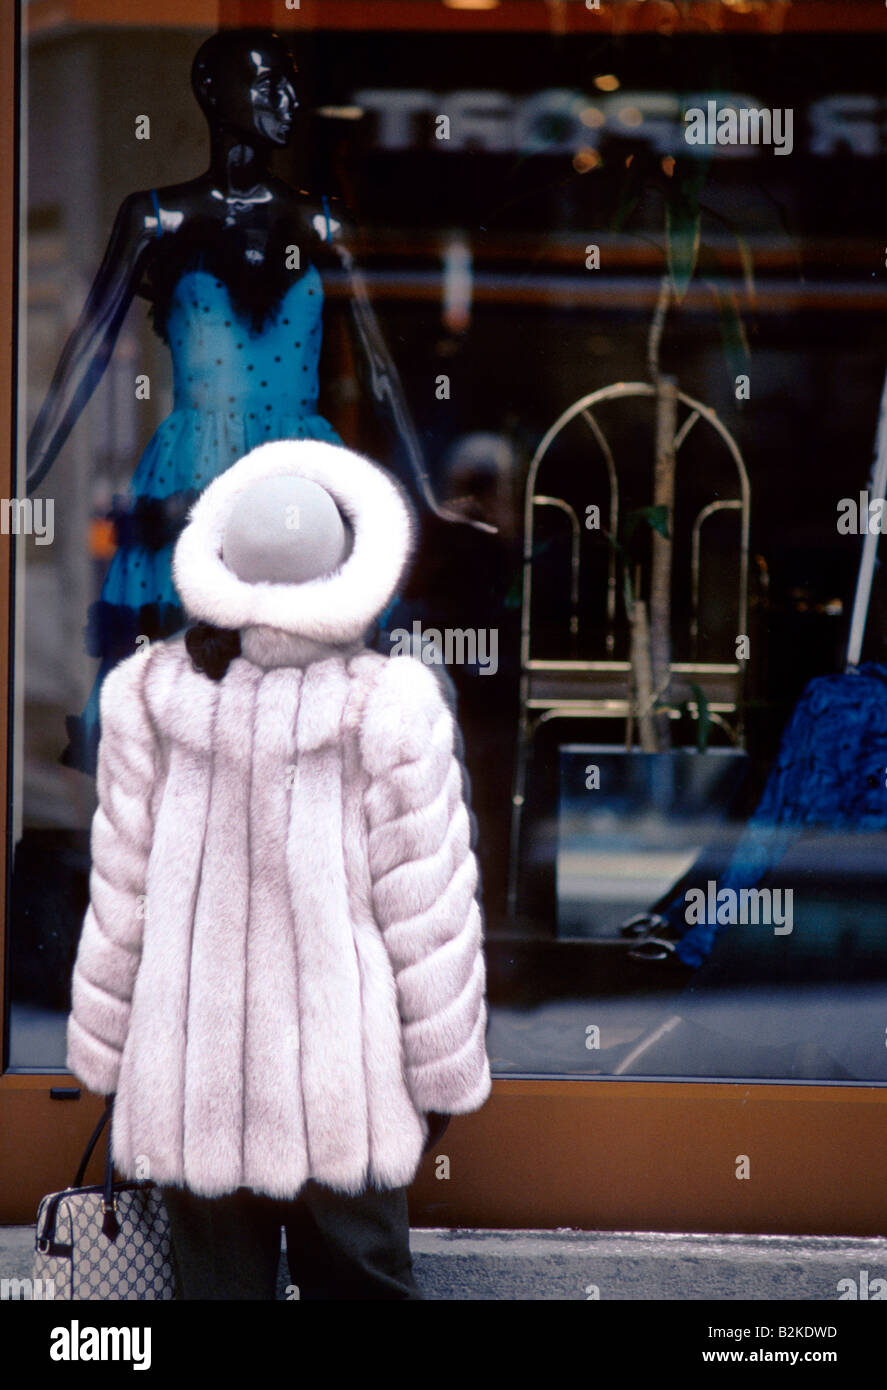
[334, 608]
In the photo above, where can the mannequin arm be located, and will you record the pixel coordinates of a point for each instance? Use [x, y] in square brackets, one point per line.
[88, 350]
[384, 379]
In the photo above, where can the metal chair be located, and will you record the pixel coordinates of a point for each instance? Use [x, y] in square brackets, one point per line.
[594, 689]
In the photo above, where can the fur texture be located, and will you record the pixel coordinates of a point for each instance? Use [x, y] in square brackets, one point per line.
[335, 608]
[281, 967]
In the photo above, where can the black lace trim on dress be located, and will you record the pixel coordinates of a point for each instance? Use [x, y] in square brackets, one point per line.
[152, 522]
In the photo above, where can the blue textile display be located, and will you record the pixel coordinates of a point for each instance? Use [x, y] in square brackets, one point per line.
[830, 772]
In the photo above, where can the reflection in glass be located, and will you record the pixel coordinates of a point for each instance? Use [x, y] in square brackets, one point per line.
[477, 263]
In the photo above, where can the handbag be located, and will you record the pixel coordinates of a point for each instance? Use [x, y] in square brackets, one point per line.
[109, 1241]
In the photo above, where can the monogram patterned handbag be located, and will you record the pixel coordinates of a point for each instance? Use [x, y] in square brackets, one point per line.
[110, 1241]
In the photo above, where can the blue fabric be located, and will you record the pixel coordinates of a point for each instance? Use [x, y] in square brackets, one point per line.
[233, 390]
[830, 772]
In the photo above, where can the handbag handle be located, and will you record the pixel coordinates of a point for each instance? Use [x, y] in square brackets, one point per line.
[110, 1224]
[93, 1140]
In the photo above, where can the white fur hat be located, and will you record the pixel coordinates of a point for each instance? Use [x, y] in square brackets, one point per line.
[334, 608]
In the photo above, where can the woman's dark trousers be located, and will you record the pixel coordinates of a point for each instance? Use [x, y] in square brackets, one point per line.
[338, 1247]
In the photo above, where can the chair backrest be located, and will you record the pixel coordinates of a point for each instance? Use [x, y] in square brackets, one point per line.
[535, 498]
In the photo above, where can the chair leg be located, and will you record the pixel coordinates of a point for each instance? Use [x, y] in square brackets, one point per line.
[517, 805]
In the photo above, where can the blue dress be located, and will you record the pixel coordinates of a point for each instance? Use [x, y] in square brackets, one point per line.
[234, 387]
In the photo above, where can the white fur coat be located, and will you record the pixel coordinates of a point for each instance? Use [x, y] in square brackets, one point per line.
[281, 964]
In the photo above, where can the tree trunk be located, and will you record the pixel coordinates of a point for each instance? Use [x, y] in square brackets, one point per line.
[643, 684]
[660, 581]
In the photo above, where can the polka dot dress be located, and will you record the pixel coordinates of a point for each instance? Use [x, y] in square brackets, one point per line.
[233, 389]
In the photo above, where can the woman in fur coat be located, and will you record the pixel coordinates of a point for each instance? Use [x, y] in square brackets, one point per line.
[280, 974]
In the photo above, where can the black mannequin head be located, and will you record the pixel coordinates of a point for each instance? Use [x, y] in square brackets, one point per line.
[244, 80]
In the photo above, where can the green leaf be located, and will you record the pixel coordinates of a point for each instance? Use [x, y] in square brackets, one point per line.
[742, 246]
[514, 597]
[703, 717]
[682, 245]
[748, 267]
[627, 591]
[733, 336]
[655, 517]
[683, 219]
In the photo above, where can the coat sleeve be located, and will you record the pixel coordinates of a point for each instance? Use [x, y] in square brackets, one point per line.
[109, 951]
[424, 879]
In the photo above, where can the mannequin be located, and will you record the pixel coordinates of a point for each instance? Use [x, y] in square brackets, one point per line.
[228, 261]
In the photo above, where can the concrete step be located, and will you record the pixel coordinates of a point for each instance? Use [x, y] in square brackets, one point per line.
[485, 1265]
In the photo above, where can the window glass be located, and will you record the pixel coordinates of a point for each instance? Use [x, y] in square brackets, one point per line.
[632, 279]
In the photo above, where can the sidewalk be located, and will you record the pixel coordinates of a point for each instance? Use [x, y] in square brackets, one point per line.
[569, 1265]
